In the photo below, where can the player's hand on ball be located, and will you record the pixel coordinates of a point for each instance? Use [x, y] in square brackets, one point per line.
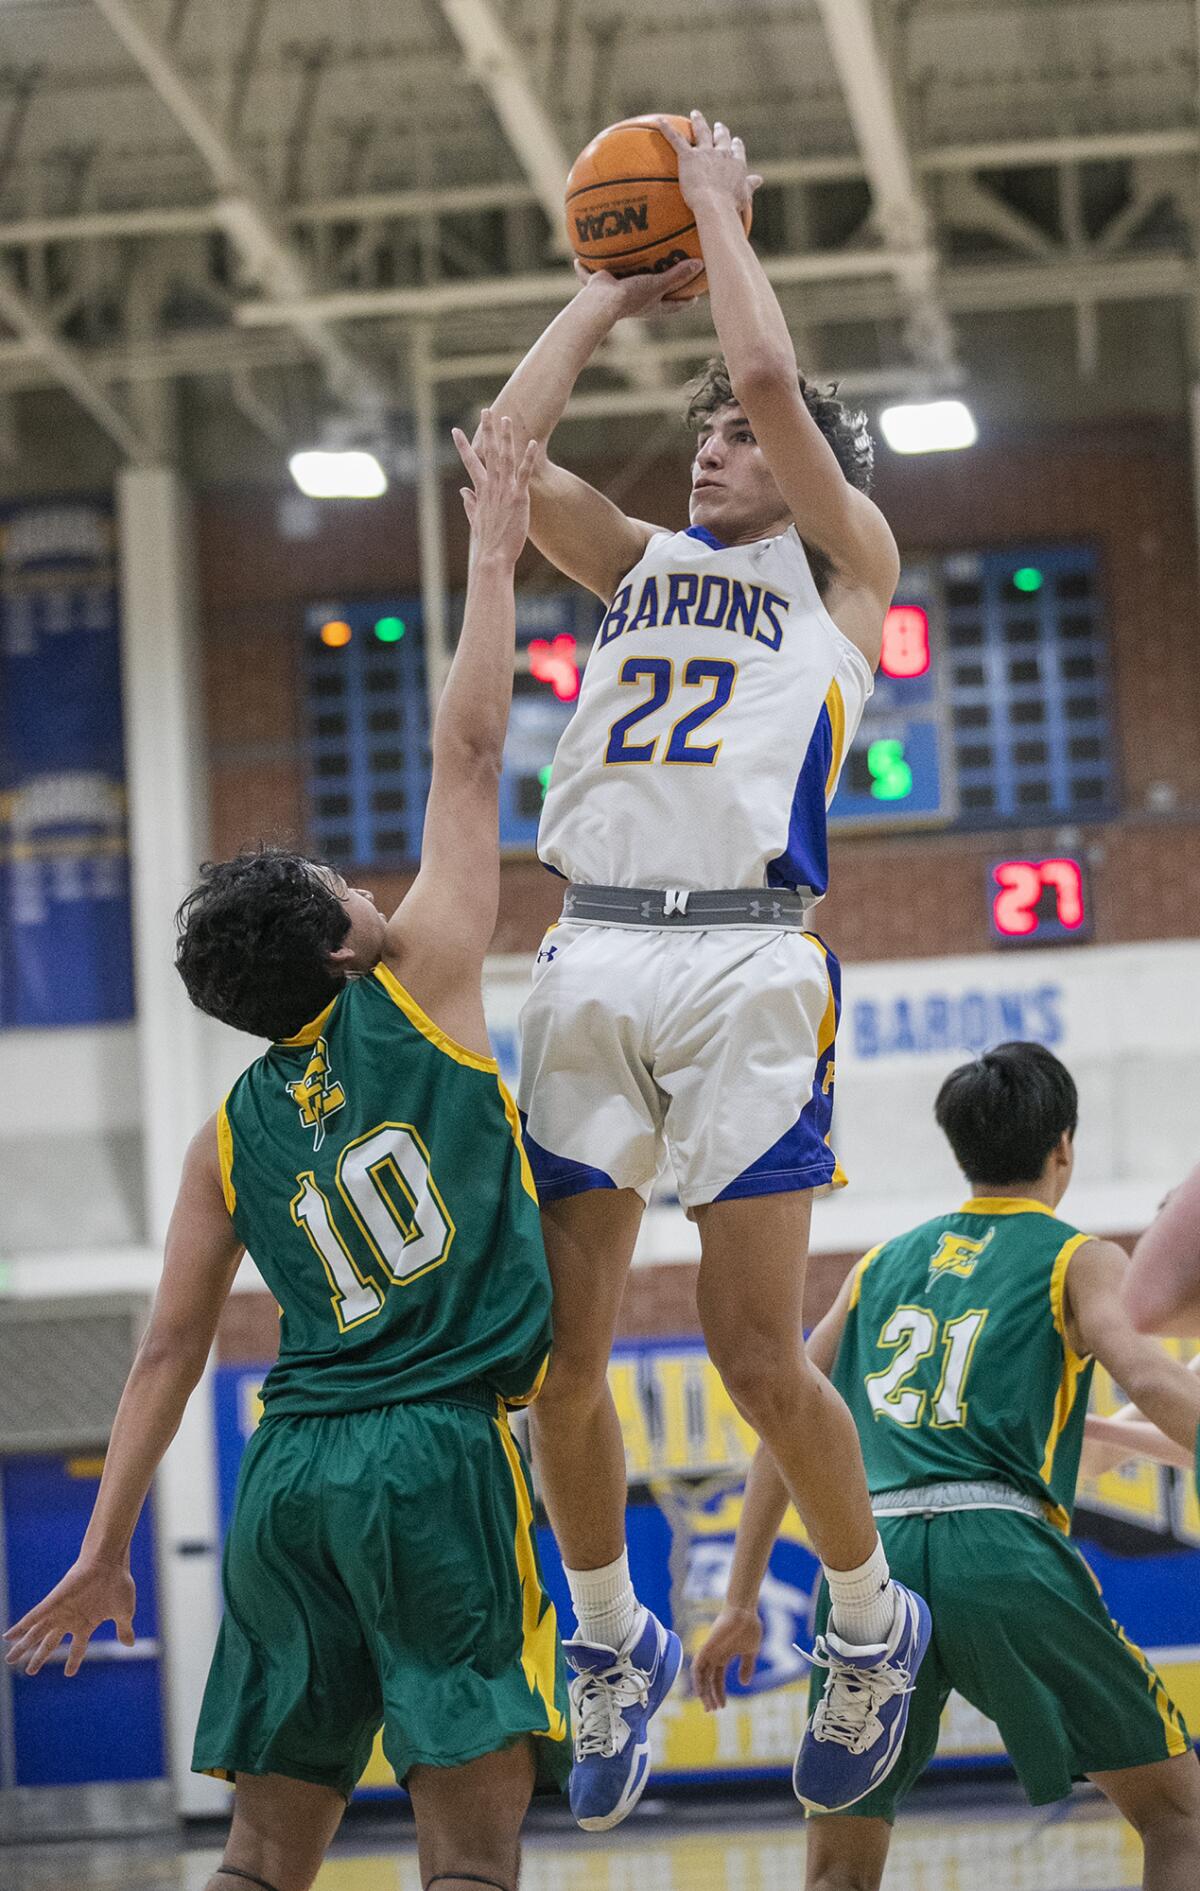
[643, 293]
[497, 500]
[88, 1595]
[736, 1635]
[714, 166]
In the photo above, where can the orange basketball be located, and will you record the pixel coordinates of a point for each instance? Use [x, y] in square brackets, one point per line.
[625, 210]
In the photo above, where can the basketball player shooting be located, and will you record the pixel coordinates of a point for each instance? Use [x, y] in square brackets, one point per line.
[682, 997]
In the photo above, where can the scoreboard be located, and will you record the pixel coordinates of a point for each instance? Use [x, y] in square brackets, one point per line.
[897, 772]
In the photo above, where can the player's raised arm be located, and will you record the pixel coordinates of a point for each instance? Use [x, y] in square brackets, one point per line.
[202, 1255]
[1162, 1291]
[829, 513]
[580, 531]
[1158, 1385]
[437, 938]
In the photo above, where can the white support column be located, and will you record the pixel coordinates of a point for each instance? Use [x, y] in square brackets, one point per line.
[168, 834]
[168, 810]
[189, 1596]
[430, 533]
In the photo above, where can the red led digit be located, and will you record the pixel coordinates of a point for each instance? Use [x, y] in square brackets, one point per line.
[905, 641]
[1067, 880]
[1014, 908]
[554, 662]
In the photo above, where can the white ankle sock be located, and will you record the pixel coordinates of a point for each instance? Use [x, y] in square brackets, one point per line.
[863, 1600]
[605, 1605]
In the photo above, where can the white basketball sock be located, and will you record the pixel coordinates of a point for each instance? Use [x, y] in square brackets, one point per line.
[605, 1605]
[863, 1600]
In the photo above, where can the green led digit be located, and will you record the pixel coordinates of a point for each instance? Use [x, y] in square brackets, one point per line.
[543, 776]
[891, 776]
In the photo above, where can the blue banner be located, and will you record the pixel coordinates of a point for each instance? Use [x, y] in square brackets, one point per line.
[65, 929]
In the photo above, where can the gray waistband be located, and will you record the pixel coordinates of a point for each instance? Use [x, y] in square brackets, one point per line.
[935, 1497]
[657, 906]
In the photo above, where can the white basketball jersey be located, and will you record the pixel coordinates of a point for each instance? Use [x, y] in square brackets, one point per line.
[715, 713]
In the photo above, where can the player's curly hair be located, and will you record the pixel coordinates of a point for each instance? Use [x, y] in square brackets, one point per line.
[254, 940]
[844, 427]
[1004, 1112]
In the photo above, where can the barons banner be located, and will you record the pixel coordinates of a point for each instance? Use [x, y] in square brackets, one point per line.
[65, 946]
[688, 1450]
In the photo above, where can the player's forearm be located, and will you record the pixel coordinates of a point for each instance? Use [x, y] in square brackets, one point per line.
[536, 393]
[749, 322]
[762, 1513]
[147, 1419]
[472, 716]
[1113, 1441]
[1164, 1392]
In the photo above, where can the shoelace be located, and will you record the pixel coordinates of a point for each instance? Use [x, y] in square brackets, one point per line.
[848, 1712]
[598, 1700]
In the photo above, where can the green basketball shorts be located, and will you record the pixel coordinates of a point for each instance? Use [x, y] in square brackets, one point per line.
[381, 1569]
[1021, 1631]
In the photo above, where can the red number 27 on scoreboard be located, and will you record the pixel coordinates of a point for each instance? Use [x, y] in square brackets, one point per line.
[1043, 897]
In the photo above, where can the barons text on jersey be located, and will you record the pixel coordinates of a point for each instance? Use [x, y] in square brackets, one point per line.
[715, 713]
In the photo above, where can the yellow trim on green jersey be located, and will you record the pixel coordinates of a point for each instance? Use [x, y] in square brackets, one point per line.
[539, 1627]
[1004, 1205]
[1177, 1738]
[527, 1398]
[860, 1269]
[441, 1040]
[514, 1123]
[1073, 1363]
[311, 1031]
[225, 1156]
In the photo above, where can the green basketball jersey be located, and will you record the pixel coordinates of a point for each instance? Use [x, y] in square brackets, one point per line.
[374, 1170]
[955, 1359]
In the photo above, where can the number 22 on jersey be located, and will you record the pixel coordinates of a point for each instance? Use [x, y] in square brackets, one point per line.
[913, 1333]
[384, 1180]
[659, 672]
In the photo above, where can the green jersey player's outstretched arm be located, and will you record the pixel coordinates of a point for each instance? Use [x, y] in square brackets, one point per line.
[436, 939]
[201, 1259]
[581, 532]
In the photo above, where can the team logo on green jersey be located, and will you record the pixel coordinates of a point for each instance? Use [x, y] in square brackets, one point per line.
[957, 1254]
[317, 1094]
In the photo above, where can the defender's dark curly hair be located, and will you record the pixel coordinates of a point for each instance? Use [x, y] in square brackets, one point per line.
[844, 427]
[254, 939]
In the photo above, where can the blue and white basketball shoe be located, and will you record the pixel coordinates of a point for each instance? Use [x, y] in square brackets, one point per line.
[613, 1696]
[853, 1740]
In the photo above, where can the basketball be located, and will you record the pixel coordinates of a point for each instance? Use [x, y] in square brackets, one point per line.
[625, 210]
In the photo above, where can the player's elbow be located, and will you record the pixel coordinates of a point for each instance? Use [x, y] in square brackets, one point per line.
[474, 757]
[171, 1352]
[762, 374]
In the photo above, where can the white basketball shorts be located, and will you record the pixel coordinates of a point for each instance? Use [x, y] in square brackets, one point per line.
[714, 1045]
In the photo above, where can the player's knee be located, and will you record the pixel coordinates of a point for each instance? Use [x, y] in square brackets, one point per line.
[483, 1861]
[576, 1380]
[765, 1380]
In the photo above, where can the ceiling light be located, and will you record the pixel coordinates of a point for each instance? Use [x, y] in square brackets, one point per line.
[929, 427]
[349, 475]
